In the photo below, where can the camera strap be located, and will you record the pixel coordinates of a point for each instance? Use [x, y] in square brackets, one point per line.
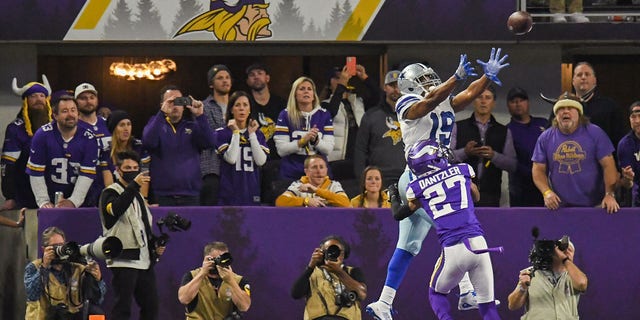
[499, 249]
[145, 218]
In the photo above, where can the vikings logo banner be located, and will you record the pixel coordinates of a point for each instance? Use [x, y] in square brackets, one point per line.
[223, 20]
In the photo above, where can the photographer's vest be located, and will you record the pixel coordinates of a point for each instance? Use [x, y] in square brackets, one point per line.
[129, 229]
[54, 293]
[546, 301]
[322, 301]
[212, 304]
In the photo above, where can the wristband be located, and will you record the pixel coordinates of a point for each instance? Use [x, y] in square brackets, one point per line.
[612, 194]
[546, 193]
[301, 142]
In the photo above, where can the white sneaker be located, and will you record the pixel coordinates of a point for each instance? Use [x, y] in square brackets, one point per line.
[558, 18]
[379, 310]
[578, 17]
[468, 301]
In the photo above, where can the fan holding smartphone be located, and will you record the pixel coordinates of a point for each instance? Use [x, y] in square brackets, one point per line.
[347, 106]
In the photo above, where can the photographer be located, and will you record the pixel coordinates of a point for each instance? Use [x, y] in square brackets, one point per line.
[331, 289]
[553, 290]
[214, 291]
[124, 214]
[57, 287]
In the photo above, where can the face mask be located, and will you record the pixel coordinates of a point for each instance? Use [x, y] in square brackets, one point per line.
[128, 176]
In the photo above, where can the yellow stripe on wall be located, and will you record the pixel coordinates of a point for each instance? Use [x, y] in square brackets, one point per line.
[360, 19]
[91, 14]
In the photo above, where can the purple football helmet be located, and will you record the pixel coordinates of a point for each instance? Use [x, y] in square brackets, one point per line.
[426, 156]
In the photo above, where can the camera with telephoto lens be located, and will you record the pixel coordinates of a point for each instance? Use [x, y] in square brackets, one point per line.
[541, 255]
[331, 254]
[346, 299]
[182, 101]
[103, 248]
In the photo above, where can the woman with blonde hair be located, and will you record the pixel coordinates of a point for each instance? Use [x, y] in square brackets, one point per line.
[303, 128]
[371, 195]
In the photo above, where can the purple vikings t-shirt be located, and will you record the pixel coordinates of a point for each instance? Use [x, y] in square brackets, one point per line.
[446, 197]
[292, 166]
[15, 153]
[103, 138]
[62, 162]
[573, 166]
[629, 155]
[239, 182]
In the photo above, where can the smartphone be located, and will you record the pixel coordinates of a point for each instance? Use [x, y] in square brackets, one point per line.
[351, 66]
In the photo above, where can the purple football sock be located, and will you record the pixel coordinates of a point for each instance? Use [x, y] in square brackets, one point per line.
[439, 304]
[488, 311]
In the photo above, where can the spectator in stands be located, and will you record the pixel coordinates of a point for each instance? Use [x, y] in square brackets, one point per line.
[629, 155]
[174, 139]
[347, 108]
[57, 288]
[265, 105]
[559, 8]
[314, 189]
[214, 291]
[573, 164]
[303, 129]
[35, 111]
[379, 142]
[265, 108]
[14, 224]
[553, 293]
[525, 130]
[215, 107]
[63, 159]
[601, 111]
[87, 98]
[371, 195]
[487, 146]
[244, 150]
[332, 289]
[120, 126]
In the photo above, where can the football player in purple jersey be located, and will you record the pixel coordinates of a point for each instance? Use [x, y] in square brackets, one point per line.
[63, 159]
[34, 112]
[244, 150]
[446, 193]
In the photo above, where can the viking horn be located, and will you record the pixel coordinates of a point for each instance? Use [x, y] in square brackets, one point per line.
[46, 84]
[547, 99]
[390, 124]
[16, 90]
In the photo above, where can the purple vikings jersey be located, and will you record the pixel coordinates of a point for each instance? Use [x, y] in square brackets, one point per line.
[62, 162]
[436, 125]
[15, 153]
[239, 182]
[573, 166]
[292, 166]
[103, 138]
[629, 155]
[446, 197]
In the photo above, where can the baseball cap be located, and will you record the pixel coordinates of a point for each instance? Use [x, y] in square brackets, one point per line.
[257, 66]
[214, 70]
[84, 87]
[517, 92]
[391, 76]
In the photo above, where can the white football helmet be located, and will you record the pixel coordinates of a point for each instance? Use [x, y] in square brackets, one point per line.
[417, 79]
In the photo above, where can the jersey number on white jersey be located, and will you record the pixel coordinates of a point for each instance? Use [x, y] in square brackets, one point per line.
[442, 126]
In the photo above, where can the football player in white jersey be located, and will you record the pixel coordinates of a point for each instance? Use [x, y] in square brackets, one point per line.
[426, 110]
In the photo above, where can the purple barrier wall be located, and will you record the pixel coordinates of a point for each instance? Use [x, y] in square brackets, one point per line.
[271, 247]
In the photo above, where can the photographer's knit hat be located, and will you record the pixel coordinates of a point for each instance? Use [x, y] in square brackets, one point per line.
[115, 118]
[568, 100]
[214, 70]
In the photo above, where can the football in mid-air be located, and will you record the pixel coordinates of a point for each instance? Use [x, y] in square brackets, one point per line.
[520, 22]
